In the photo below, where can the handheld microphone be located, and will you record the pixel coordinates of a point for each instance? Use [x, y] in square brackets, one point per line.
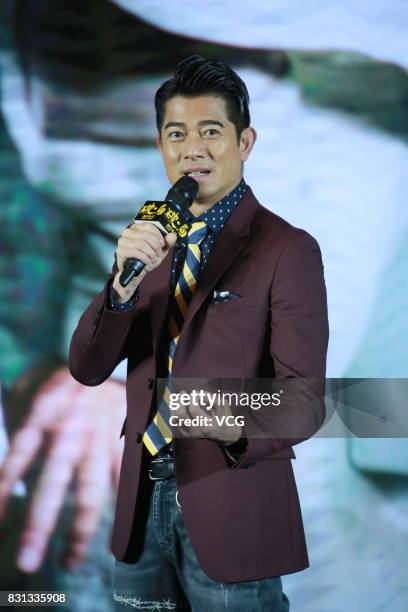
[167, 216]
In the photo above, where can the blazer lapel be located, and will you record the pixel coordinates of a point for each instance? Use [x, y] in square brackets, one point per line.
[226, 248]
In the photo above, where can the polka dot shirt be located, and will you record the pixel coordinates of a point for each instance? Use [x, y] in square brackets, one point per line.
[215, 217]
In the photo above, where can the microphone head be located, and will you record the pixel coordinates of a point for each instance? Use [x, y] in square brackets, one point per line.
[183, 192]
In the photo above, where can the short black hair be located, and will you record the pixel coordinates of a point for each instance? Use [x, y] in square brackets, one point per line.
[197, 76]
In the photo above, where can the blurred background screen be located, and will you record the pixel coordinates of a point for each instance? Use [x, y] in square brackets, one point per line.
[328, 85]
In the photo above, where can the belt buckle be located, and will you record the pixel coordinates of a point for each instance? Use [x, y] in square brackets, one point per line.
[159, 461]
[156, 460]
[154, 477]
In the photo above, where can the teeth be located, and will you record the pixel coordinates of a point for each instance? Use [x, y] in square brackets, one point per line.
[196, 173]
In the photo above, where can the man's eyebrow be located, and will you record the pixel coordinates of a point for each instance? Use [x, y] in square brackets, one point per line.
[210, 122]
[174, 124]
[200, 123]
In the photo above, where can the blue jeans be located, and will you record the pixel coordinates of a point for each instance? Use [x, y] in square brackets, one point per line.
[167, 575]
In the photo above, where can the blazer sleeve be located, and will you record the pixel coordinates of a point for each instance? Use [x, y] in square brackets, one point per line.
[102, 337]
[298, 308]
[298, 346]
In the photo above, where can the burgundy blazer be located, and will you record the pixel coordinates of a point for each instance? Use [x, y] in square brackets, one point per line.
[244, 521]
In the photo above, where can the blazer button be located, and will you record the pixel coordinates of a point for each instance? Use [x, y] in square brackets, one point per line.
[150, 383]
[138, 437]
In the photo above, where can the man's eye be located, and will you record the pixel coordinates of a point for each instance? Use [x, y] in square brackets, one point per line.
[213, 131]
[175, 134]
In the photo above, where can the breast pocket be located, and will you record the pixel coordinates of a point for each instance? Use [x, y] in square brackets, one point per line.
[242, 303]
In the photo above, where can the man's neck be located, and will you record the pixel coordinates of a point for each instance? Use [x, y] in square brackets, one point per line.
[199, 208]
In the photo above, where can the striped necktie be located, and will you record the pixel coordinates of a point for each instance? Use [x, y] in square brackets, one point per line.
[158, 433]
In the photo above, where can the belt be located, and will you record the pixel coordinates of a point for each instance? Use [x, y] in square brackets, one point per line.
[161, 466]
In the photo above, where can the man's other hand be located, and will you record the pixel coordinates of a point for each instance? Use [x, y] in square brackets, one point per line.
[216, 423]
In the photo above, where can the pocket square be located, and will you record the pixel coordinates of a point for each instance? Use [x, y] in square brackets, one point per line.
[225, 296]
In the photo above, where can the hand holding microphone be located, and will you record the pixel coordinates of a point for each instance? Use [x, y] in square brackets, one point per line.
[144, 242]
[143, 246]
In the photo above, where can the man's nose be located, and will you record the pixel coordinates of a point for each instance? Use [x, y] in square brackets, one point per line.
[194, 146]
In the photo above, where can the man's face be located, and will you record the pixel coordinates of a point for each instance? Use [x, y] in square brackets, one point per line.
[198, 138]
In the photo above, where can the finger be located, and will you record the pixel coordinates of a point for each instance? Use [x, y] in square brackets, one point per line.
[152, 250]
[24, 446]
[183, 431]
[93, 487]
[48, 496]
[150, 228]
[155, 238]
[170, 240]
[136, 253]
[222, 408]
[195, 410]
[135, 249]
[142, 247]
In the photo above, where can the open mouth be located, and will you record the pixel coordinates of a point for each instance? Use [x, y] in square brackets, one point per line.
[196, 173]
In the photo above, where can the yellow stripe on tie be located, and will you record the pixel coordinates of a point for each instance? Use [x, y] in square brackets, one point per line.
[189, 277]
[195, 249]
[166, 395]
[163, 428]
[149, 444]
[181, 303]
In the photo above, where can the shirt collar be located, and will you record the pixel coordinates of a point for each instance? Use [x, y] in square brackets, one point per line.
[217, 216]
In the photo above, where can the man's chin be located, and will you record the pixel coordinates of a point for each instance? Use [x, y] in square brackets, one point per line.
[205, 195]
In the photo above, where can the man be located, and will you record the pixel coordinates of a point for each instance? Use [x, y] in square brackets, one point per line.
[209, 521]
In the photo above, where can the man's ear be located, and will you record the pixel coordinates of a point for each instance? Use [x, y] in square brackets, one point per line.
[158, 142]
[246, 142]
